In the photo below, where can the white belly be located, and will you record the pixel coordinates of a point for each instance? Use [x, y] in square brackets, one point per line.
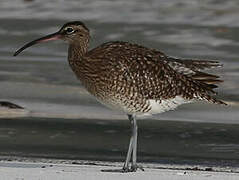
[165, 105]
[155, 106]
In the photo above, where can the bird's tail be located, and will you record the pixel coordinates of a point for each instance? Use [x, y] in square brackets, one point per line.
[204, 82]
[207, 81]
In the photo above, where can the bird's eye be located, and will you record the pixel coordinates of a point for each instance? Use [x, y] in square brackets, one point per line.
[69, 30]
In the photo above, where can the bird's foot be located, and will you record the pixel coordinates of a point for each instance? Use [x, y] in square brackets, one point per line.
[133, 168]
[114, 170]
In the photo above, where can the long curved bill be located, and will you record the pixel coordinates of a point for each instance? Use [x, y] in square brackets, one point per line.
[50, 37]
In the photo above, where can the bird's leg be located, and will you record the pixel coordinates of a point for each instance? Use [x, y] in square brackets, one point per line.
[134, 165]
[135, 135]
[131, 145]
[132, 150]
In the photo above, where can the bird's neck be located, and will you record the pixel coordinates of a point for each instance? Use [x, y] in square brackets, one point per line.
[79, 63]
[77, 51]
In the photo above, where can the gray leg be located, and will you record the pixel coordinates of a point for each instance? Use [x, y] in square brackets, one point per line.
[134, 165]
[135, 135]
[129, 154]
[131, 143]
[132, 150]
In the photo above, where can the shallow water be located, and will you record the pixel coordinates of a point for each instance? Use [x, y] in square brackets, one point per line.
[41, 80]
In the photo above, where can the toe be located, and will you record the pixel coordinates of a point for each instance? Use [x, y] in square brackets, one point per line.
[134, 168]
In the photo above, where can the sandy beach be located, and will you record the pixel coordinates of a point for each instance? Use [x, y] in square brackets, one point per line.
[15, 170]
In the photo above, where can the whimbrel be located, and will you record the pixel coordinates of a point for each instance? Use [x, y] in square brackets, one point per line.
[134, 79]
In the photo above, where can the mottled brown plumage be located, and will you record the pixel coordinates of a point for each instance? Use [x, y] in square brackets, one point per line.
[133, 78]
[129, 75]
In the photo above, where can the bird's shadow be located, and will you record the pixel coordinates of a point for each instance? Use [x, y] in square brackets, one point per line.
[115, 170]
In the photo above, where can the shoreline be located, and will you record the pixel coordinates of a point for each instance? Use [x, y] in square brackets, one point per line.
[44, 169]
[210, 167]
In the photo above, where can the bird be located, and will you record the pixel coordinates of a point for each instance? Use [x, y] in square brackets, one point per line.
[134, 79]
[9, 105]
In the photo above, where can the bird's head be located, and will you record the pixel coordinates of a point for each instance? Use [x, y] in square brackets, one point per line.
[72, 32]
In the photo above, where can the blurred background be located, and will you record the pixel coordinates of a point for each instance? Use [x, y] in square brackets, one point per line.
[61, 120]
